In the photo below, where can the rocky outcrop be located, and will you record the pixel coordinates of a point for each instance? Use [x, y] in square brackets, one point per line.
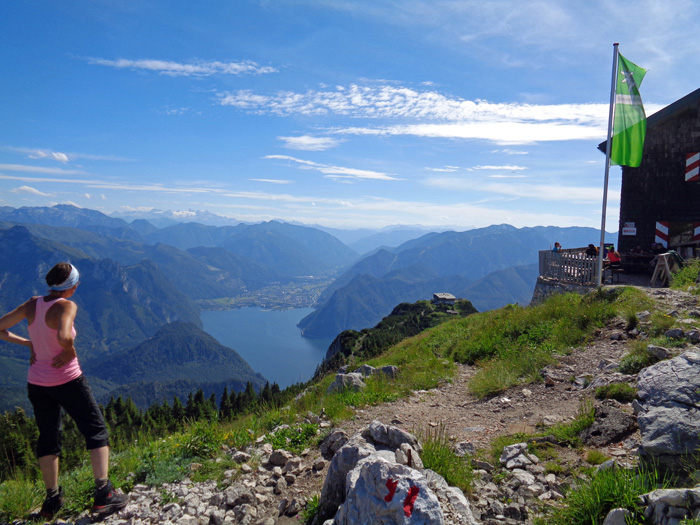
[383, 492]
[546, 287]
[662, 507]
[354, 380]
[342, 382]
[668, 412]
[611, 425]
[377, 476]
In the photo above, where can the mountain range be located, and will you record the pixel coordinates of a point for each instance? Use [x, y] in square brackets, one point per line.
[491, 267]
[142, 283]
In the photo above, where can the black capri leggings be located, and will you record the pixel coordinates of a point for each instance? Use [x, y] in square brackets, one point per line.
[75, 397]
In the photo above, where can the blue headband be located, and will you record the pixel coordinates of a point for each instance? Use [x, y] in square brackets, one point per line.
[68, 283]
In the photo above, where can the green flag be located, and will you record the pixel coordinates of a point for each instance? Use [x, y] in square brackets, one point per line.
[630, 124]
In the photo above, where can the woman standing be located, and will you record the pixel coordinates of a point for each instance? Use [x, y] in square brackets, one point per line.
[55, 382]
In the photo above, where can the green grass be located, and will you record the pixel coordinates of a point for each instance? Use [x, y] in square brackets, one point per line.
[293, 439]
[310, 509]
[566, 433]
[554, 467]
[596, 457]
[636, 358]
[660, 323]
[510, 346]
[438, 456]
[621, 392]
[590, 500]
[18, 497]
[569, 432]
[202, 440]
[686, 276]
[513, 344]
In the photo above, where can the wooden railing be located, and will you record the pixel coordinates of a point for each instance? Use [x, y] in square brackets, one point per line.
[569, 266]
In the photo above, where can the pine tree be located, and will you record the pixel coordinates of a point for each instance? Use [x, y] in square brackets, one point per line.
[178, 411]
[225, 406]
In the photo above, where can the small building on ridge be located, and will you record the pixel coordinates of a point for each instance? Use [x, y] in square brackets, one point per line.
[443, 298]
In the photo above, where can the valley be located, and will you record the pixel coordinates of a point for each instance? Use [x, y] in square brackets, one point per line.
[303, 293]
[139, 278]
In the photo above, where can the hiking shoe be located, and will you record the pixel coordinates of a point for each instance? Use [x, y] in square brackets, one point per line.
[107, 500]
[52, 505]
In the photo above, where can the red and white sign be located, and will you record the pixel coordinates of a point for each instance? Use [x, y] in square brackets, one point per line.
[692, 167]
[662, 233]
[696, 231]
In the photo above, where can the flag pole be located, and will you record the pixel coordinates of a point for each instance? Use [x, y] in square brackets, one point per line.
[613, 87]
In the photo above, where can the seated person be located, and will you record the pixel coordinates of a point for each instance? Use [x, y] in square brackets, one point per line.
[614, 260]
[592, 251]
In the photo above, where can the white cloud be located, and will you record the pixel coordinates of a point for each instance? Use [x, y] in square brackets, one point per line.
[273, 181]
[497, 132]
[543, 192]
[40, 153]
[194, 69]
[38, 169]
[114, 185]
[401, 102]
[433, 114]
[446, 169]
[510, 152]
[87, 195]
[29, 189]
[334, 171]
[54, 155]
[37, 153]
[500, 168]
[375, 212]
[309, 143]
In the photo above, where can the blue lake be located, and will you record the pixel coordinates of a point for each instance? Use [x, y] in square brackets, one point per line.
[269, 340]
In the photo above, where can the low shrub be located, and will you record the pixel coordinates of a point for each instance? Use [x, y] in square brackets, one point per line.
[621, 392]
[595, 457]
[686, 276]
[18, 497]
[310, 509]
[160, 462]
[660, 323]
[293, 439]
[637, 358]
[590, 500]
[203, 439]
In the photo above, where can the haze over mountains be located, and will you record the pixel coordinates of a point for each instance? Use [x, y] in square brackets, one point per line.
[491, 267]
[144, 282]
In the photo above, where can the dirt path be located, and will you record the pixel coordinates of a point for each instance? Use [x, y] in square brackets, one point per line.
[520, 409]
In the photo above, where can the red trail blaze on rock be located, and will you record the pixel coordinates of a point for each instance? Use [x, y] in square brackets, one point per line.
[391, 485]
[410, 501]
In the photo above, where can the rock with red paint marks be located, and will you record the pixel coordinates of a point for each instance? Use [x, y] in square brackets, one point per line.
[381, 492]
[344, 460]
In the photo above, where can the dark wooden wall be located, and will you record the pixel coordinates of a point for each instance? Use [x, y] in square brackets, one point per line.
[657, 190]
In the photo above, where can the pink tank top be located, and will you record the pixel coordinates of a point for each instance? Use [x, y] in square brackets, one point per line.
[46, 347]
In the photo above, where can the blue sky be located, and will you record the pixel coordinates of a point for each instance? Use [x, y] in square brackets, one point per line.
[345, 113]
